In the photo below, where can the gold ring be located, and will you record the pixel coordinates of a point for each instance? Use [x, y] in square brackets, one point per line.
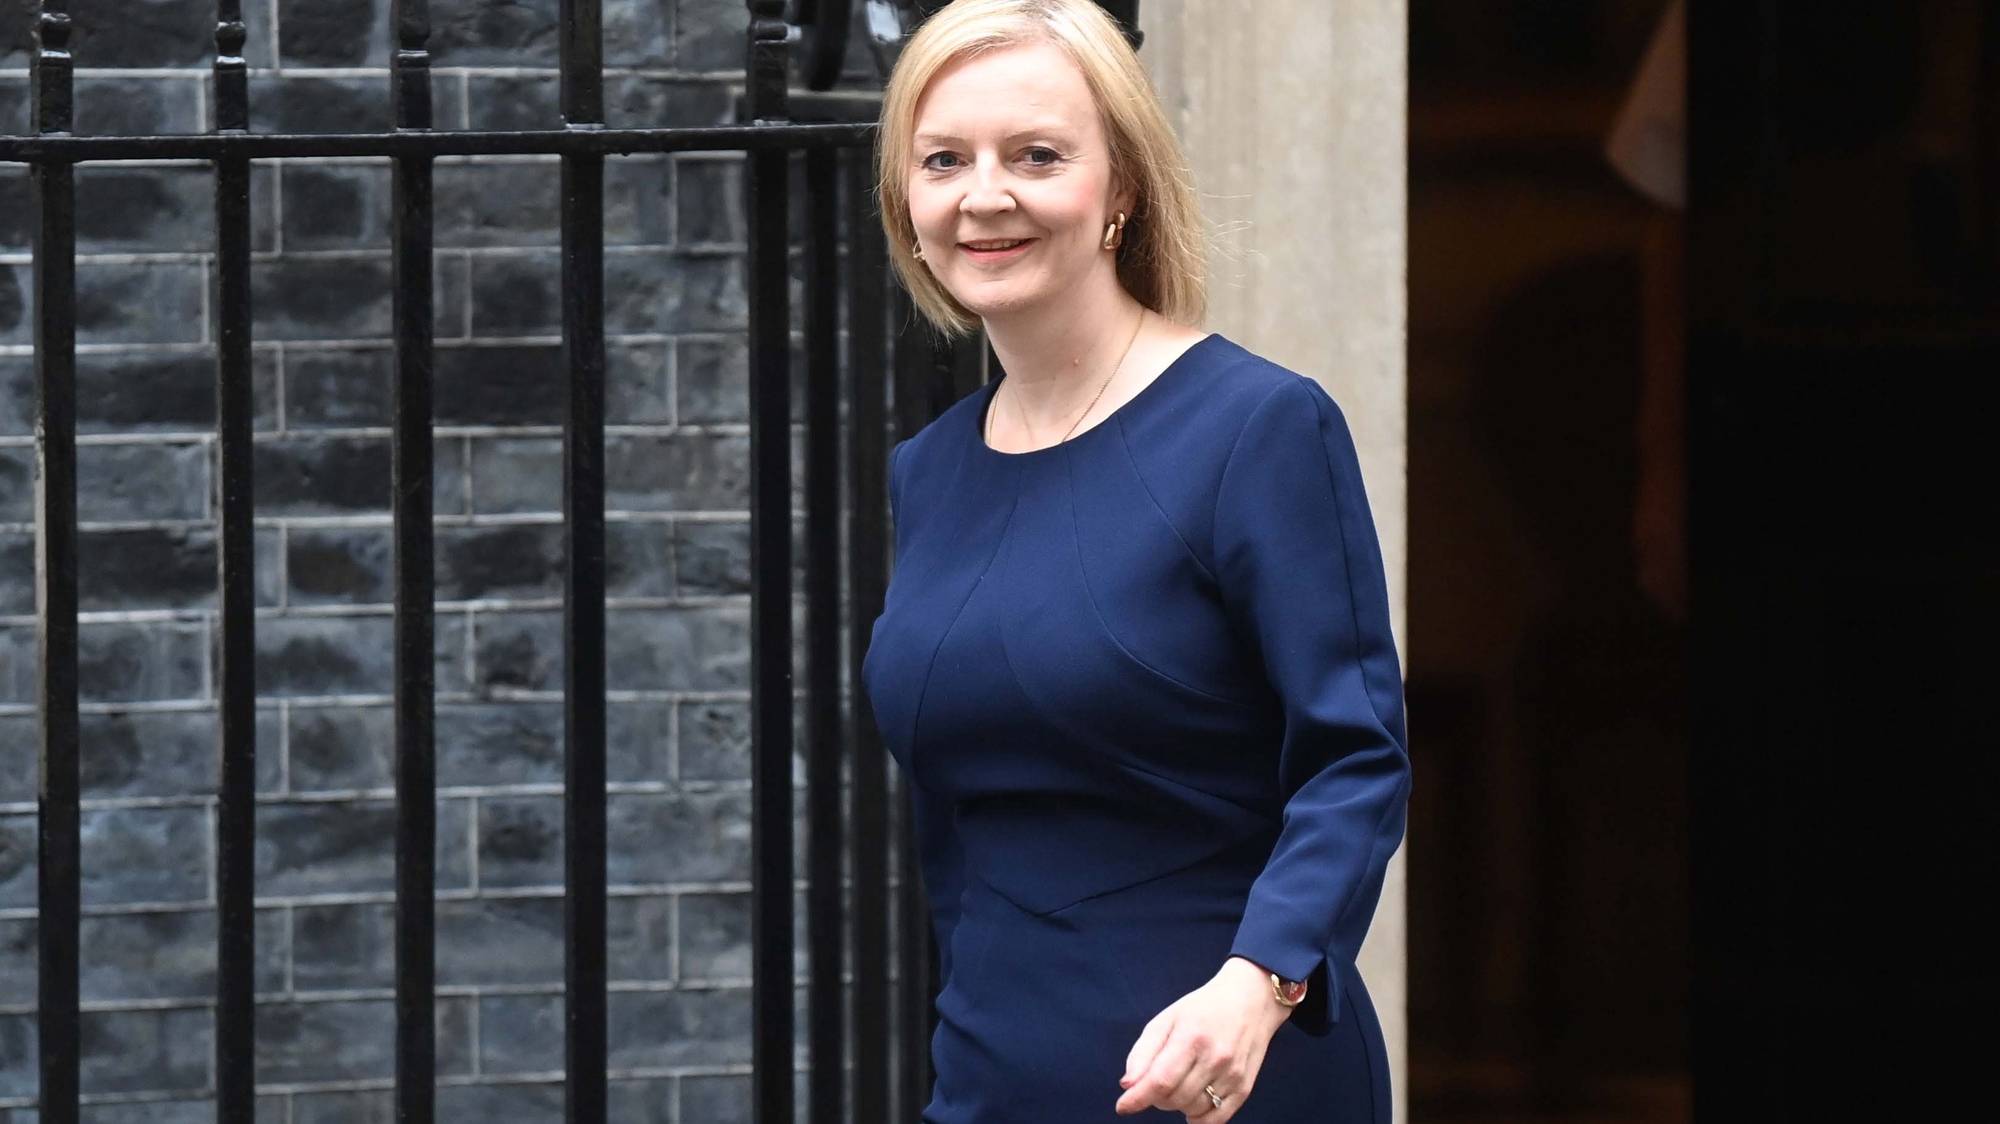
[1214, 1098]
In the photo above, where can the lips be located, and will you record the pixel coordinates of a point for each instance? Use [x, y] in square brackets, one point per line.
[995, 252]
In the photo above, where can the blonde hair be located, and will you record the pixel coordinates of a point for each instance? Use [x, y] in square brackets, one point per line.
[1161, 260]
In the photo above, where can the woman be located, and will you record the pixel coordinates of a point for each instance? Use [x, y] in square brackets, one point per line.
[1135, 656]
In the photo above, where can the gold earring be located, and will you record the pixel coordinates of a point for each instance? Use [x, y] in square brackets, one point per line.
[1114, 233]
[917, 250]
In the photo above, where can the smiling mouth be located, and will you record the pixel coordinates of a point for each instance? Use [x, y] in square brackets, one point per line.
[990, 245]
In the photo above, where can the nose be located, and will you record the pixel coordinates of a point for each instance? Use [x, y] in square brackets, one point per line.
[986, 191]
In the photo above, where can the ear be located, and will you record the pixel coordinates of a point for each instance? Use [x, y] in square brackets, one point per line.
[1124, 194]
[1124, 198]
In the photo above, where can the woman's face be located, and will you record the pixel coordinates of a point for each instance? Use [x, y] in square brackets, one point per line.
[1010, 180]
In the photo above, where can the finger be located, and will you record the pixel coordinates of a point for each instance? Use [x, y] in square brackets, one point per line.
[1193, 1098]
[1186, 1095]
[1201, 1110]
[1186, 1098]
[1234, 1091]
[1156, 1086]
[1143, 1051]
[1159, 1085]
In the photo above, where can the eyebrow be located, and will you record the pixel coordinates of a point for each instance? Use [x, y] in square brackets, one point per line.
[1052, 130]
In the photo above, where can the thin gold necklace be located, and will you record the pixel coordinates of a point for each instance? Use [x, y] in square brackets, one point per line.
[1093, 398]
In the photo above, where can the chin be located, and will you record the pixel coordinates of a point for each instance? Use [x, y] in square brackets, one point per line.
[992, 302]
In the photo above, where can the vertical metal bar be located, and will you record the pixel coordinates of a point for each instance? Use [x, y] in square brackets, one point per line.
[411, 472]
[823, 779]
[868, 569]
[586, 1050]
[965, 364]
[771, 580]
[954, 369]
[236, 798]
[917, 965]
[913, 366]
[59, 873]
[940, 377]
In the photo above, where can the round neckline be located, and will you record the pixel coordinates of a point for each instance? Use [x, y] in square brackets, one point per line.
[993, 387]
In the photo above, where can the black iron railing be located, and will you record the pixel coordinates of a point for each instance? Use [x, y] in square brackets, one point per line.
[888, 1053]
[848, 424]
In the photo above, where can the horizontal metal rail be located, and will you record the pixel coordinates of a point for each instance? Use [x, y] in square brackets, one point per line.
[766, 137]
[838, 142]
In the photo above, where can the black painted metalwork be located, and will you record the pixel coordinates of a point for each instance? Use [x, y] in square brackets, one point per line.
[411, 514]
[59, 870]
[824, 734]
[917, 981]
[879, 1020]
[768, 137]
[823, 43]
[236, 798]
[868, 557]
[912, 365]
[1126, 12]
[958, 369]
[771, 578]
[890, 23]
[587, 1024]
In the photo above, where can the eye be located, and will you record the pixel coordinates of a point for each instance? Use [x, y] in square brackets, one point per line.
[931, 161]
[1041, 156]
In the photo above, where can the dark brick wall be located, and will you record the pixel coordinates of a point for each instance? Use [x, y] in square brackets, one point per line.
[678, 546]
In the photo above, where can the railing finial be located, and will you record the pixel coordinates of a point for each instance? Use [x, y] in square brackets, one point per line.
[53, 27]
[232, 74]
[766, 75]
[53, 103]
[410, 65]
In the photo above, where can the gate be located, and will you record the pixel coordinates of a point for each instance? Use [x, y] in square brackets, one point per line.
[854, 802]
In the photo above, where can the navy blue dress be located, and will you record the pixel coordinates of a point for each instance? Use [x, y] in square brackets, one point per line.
[1144, 688]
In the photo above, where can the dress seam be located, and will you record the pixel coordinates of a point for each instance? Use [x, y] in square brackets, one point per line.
[1220, 849]
[930, 665]
[1367, 1054]
[1124, 440]
[1347, 566]
[1142, 771]
[1230, 458]
[1360, 664]
[1090, 595]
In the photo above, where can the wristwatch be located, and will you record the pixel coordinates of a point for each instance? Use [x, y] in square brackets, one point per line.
[1290, 993]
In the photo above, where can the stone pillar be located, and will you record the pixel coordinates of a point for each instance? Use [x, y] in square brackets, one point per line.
[1293, 113]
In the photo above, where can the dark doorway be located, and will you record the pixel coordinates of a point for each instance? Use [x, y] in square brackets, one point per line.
[1845, 228]
[1702, 578]
[1546, 672]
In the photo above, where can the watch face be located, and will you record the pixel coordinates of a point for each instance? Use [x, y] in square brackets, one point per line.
[1292, 990]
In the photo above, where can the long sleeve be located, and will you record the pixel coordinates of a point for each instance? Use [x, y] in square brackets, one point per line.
[1301, 574]
[940, 858]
